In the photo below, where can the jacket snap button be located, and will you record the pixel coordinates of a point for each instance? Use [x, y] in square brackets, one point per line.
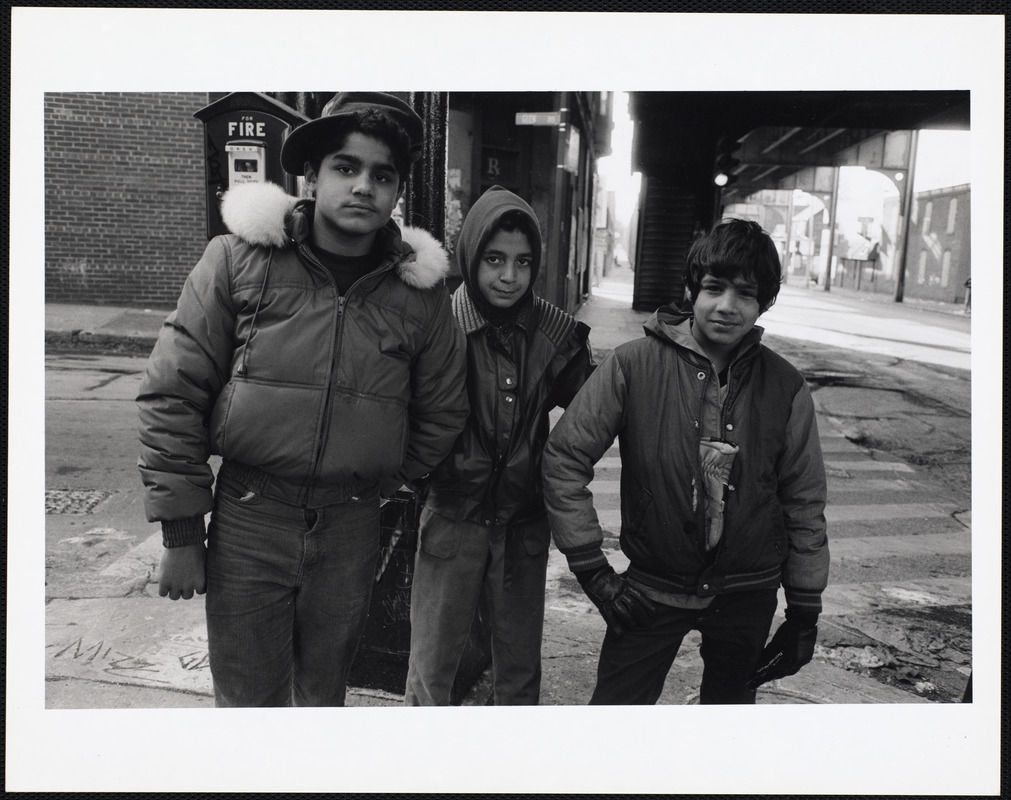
[705, 586]
[509, 398]
[730, 427]
[509, 381]
[702, 376]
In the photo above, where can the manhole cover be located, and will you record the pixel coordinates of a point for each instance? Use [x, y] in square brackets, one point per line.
[73, 501]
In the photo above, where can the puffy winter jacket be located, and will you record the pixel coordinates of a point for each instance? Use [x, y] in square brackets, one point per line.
[653, 394]
[265, 364]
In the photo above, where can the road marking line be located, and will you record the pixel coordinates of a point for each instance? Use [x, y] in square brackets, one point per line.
[888, 511]
[849, 598]
[838, 484]
[870, 466]
[862, 548]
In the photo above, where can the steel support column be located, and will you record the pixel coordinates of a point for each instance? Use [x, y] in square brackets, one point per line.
[831, 228]
[904, 214]
[425, 197]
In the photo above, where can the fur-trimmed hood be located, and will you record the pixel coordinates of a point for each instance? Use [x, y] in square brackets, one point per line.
[264, 214]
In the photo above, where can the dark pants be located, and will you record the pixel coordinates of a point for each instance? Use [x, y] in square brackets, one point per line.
[457, 564]
[288, 593]
[633, 667]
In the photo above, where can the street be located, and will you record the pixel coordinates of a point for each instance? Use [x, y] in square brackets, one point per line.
[896, 438]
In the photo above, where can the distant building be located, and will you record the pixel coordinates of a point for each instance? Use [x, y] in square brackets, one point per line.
[938, 253]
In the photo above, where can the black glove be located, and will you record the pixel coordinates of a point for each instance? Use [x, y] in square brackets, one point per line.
[792, 647]
[620, 604]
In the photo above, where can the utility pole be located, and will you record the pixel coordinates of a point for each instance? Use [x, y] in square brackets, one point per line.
[831, 228]
[904, 214]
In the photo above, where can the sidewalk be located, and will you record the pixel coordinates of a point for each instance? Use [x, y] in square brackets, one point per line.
[166, 644]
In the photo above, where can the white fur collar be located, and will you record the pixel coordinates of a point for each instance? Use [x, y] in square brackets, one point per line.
[258, 213]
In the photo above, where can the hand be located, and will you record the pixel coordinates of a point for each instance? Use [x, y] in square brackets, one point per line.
[791, 648]
[620, 604]
[183, 571]
[388, 487]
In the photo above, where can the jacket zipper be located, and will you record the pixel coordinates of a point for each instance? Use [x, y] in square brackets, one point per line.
[324, 430]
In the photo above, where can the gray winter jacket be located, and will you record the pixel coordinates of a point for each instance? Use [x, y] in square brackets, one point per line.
[263, 363]
[653, 395]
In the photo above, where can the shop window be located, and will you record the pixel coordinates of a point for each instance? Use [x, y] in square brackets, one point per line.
[952, 214]
[945, 267]
[921, 276]
[928, 212]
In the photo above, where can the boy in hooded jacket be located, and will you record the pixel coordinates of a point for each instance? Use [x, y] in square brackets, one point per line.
[722, 487]
[313, 348]
[483, 528]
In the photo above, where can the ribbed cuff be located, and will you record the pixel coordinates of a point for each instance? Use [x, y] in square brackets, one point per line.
[183, 532]
[586, 560]
[802, 602]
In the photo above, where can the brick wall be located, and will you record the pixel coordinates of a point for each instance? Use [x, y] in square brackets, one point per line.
[939, 257]
[125, 217]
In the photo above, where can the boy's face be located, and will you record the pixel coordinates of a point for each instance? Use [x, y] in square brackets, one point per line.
[503, 274]
[357, 188]
[724, 311]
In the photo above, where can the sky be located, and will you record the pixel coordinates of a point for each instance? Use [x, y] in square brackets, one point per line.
[942, 159]
[615, 169]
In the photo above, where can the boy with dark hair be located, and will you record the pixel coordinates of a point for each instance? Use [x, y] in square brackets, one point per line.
[722, 487]
[483, 528]
[314, 349]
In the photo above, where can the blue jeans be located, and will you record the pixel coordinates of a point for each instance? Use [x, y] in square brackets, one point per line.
[457, 563]
[734, 627]
[288, 592]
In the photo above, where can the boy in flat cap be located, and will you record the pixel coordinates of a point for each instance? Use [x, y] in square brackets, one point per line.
[313, 348]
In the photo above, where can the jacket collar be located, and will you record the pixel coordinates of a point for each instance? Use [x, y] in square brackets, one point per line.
[263, 214]
[471, 320]
[675, 327]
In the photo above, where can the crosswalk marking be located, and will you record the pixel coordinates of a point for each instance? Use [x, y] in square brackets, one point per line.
[888, 511]
[614, 462]
[876, 547]
[870, 466]
[868, 485]
[848, 598]
[865, 485]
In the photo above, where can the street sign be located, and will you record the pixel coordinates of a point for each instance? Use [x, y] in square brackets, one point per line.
[538, 117]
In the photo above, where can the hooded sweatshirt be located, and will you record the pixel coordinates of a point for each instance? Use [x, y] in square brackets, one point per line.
[480, 226]
[521, 363]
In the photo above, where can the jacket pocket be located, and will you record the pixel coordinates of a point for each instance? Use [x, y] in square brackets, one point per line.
[267, 425]
[367, 437]
[774, 512]
[438, 536]
[759, 532]
[232, 489]
[634, 505]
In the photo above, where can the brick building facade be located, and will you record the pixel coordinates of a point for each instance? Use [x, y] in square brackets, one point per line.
[939, 256]
[124, 190]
